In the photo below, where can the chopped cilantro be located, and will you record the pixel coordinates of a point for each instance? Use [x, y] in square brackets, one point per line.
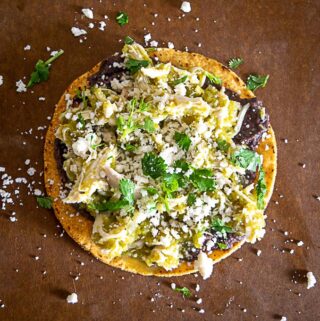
[256, 81]
[122, 18]
[170, 184]
[127, 187]
[81, 94]
[153, 165]
[134, 65]
[213, 79]
[81, 121]
[261, 189]
[44, 201]
[151, 190]
[179, 80]
[223, 145]
[191, 199]
[222, 246]
[246, 158]
[95, 146]
[109, 205]
[143, 106]
[234, 63]
[149, 125]
[185, 291]
[183, 140]
[130, 148]
[219, 226]
[42, 69]
[202, 179]
[182, 164]
[128, 40]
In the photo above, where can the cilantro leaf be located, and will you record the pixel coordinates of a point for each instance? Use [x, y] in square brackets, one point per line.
[143, 106]
[42, 69]
[149, 125]
[213, 79]
[151, 190]
[134, 65]
[128, 40]
[127, 187]
[130, 147]
[170, 184]
[256, 81]
[219, 226]
[222, 246]
[153, 165]
[179, 80]
[234, 63]
[81, 121]
[183, 140]
[261, 189]
[223, 145]
[182, 164]
[191, 199]
[247, 159]
[185, 291]
[109, 205]
[202, 179]
[122, 18]
[45, 201]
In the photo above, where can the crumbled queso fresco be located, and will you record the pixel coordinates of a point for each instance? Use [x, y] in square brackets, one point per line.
[151, 157]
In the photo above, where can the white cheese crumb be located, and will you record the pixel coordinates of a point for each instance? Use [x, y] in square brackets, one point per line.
[204, 264]
[173, 286]
[291, 252]
[186, 6]
[87, 12]
[102, 25]
[259, 252]
[283, 319]
[13, 219]
[147, 38]
[77, 32]
[199, 301]
[42, 98]
[285, 141]
[1, 80]
[27, 47]
[154, 43]
[170, 45]
[201, 311]
[72, 298]
[31, 171]
[197, 288]
[300, 243]
[91, 25]
[80, 147]
[21, 86]
[311, 280]
[27, 161]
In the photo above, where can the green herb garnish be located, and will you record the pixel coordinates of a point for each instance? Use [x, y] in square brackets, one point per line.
[183, 140]
[151, 190]
[191, 199]
[44, 201]
[153, 165]
[222, 246]
[149, 125]
[256, 81]
[170, 184]
[179, 81]
[185, 291]
[234, 63]
[42, 69]
[128, 40]
[261, 189]
[122, 18]
[127, 187]
[134, 65]
[246, 158]
[213, 79]
[130, 147]
[81, 121]
[219, 226]
[203, 180]
[223, 145]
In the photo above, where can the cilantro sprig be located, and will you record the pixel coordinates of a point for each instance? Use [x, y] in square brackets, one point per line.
[256, 81]
[134, 65]
[45, 201]
[183, 140]
[203, 180]
[218, 225]
[185, 291]
[246, 158]
[128, 40]
[234, 63]
[179, 81]
[42, 70]
[261, 189]
[213, 79]
[122, 18]
[153, 165]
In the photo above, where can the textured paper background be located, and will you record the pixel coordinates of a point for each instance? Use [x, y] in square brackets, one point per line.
[280, 38]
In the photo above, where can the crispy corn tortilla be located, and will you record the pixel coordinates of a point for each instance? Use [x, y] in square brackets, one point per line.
[80, 228]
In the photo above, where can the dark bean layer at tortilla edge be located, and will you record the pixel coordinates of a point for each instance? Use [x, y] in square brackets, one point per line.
[250, 134]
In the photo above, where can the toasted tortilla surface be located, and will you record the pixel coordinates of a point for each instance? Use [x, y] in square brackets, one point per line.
[79, 227]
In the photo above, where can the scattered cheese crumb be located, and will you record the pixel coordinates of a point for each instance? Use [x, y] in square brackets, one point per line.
[147, 38]
[1, 80]
[283, 319]
[21, 86]
[78, 32]
[154, 43]
[72, 298]
[102, 25]
[170, 45]
[197, 288]
[201, 311]
[173, 286]
[204, 264]
[300, 243]
[13, 219]
[91, 25]
[311, 280]
[259, 252]
[27, 47]
[186, 6]
[87, 12]
[199, 301]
